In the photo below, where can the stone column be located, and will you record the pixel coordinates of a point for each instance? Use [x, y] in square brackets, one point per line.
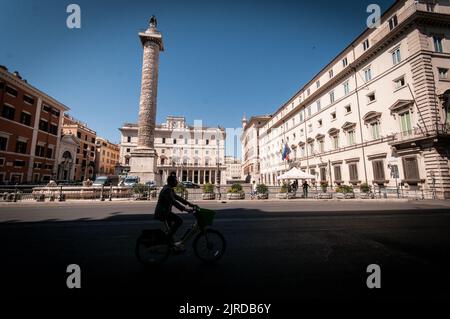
[144, 158]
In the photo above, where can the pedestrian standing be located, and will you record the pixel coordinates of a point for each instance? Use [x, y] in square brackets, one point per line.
[305, 189]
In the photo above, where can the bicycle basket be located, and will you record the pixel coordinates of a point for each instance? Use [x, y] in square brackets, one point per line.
[205, 217]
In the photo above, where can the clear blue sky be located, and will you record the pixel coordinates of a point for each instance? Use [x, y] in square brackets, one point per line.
[222, 58]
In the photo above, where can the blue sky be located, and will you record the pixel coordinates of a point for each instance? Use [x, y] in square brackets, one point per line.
[222, 58]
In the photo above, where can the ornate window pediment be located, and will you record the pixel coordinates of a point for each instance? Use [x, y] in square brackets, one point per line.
[333, 131]
[371, 117]
[348, 126]
[401, 105]
[319, 136]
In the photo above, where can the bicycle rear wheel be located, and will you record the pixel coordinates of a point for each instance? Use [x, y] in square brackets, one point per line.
[151, 255]
[209, 246]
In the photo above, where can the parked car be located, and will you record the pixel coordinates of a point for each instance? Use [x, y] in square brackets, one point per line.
[151, 184]
[188, 184]
[111, 180]
[131, 181]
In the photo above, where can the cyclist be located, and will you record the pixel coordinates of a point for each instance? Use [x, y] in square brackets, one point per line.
[163, 211]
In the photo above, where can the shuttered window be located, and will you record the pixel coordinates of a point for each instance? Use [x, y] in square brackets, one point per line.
[378, 170]
[323, 174]
[337, 173]
[353, 170]
[411, 169]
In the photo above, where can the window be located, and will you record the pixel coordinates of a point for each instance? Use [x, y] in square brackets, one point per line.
[207, 142]
[368, 74]
[335, 140]
[344, 62]
[318, 84]
[323, 174]
[309, 111]
[8, 112]
[3, 143]
[19, 163]
[28, 99]
[399, 83]
[393, 22]
[310, 128]
[337, 173]
[53, 129]
[333, 116]
[346, 88]
[174, 141]
[46, 108]
[308, 91]
[185, 141]
[378, 170]
[321, 145]
[311, 148]
[78, 134]
[348, 108]
[351, 137]
[320, 122]
[366, 44]
[331, 73]
[319, 106]
[40, 151]
[11, 91]
[93, 140]
[371, 98]
[302, 132]
[55, 112]
[411, 169]
[353, 172]
[375, 129]
[437, 43]
[128, 139]
[405, 123]
[443, 74]
[25, 118]
[396, 57]
[43, 125]
[21, 147]
[332, 97]
[430, 7]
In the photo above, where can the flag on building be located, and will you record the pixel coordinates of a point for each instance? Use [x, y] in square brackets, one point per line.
[286, 152]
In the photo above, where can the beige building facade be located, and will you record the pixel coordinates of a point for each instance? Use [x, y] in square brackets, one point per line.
[107, 156]
[379, 110]
[250, 142]
[85, 158]
[233, 169]
[194, 153]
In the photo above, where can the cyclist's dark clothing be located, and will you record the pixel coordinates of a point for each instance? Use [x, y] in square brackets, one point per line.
[163, 211]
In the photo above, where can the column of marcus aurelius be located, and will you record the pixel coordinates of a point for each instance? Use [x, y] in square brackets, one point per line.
[144, 157]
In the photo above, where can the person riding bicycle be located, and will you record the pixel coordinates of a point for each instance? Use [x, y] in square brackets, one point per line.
[168, 198]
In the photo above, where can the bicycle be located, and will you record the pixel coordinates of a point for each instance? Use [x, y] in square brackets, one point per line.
[153, 246]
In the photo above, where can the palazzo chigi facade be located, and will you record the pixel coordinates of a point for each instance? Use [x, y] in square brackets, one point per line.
[194, 153]
[377, 113]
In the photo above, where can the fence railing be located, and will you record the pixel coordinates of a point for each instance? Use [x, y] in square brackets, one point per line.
[274, 192]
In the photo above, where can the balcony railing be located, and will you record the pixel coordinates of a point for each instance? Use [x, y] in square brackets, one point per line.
[422, 132]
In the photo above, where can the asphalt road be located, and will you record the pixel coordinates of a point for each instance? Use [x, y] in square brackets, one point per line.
[275, 251]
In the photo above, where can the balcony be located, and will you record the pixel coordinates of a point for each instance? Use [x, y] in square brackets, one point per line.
[421, 133]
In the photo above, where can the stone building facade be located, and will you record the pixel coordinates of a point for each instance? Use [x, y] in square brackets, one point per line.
[194, 153]
[30, 131]
[84, 167]
[107, 157]
[378, 111]
[233, 170]
[251, 147]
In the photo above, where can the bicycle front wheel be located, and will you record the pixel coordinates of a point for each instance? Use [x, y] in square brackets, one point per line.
[151, 255]
[209, 246]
